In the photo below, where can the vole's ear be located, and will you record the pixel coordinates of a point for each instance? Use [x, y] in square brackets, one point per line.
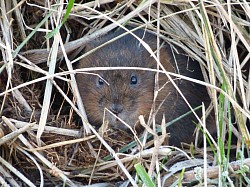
[89, 46]
[166, 58]
[83, 61]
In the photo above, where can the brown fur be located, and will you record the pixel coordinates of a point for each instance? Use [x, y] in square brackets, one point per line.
[128, 101]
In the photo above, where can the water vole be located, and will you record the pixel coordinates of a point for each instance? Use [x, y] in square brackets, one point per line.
[129, 93]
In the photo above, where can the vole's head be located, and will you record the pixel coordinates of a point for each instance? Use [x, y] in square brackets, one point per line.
[126, 93]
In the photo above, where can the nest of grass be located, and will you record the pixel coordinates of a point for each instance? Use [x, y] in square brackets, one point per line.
[42, 143]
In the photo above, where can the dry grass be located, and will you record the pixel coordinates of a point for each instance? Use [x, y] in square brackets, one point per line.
[40, 142]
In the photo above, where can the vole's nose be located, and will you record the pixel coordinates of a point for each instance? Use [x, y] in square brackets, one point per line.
[116, 108]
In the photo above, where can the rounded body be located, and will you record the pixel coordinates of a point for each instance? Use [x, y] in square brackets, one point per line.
[129, 93]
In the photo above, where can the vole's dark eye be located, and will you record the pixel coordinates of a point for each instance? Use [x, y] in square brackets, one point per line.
[133, 80]
[100, 82]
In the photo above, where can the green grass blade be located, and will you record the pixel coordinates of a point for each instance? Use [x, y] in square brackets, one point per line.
[30, 35]
[54, 31]
[69, 7]
[140, 170]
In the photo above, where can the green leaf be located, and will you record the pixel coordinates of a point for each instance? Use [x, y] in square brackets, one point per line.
[54, 31]
[69, 7]
[144, 175]
[30, 35]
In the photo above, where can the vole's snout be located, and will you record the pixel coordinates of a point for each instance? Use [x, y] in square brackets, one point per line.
[116, 108]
